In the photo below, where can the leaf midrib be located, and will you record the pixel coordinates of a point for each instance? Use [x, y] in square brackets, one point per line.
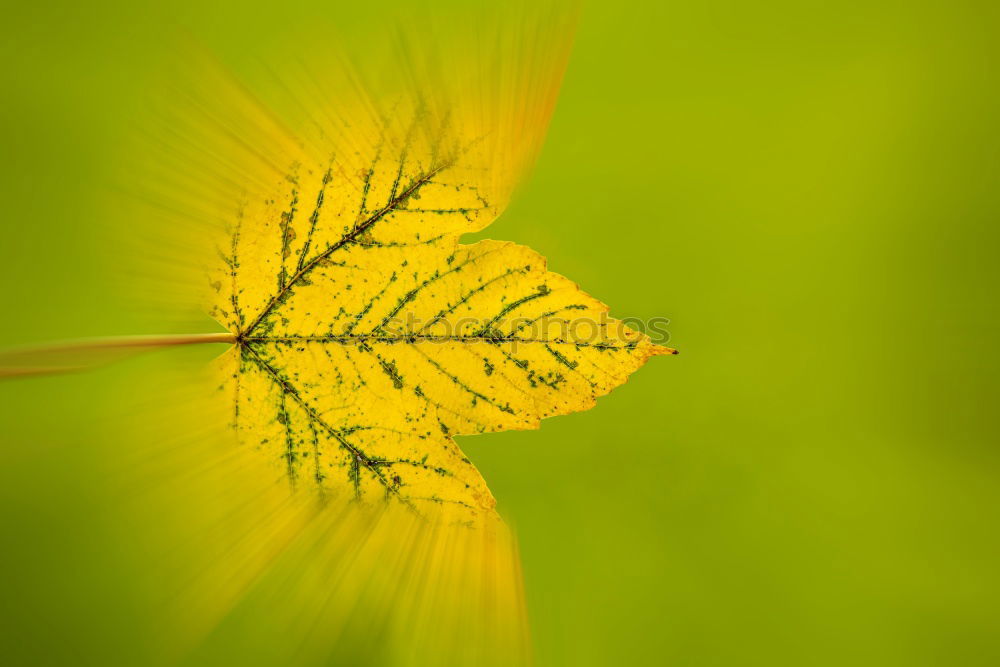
[352, 339]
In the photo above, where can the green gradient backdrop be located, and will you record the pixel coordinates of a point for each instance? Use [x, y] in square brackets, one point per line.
[807, 189]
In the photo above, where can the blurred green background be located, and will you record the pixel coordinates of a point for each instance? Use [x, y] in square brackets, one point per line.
[808, 190]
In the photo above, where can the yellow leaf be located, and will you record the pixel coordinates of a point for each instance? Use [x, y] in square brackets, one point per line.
[368, 336]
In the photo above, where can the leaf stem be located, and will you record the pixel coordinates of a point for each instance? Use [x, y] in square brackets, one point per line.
[113, 342]
[78, 355]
